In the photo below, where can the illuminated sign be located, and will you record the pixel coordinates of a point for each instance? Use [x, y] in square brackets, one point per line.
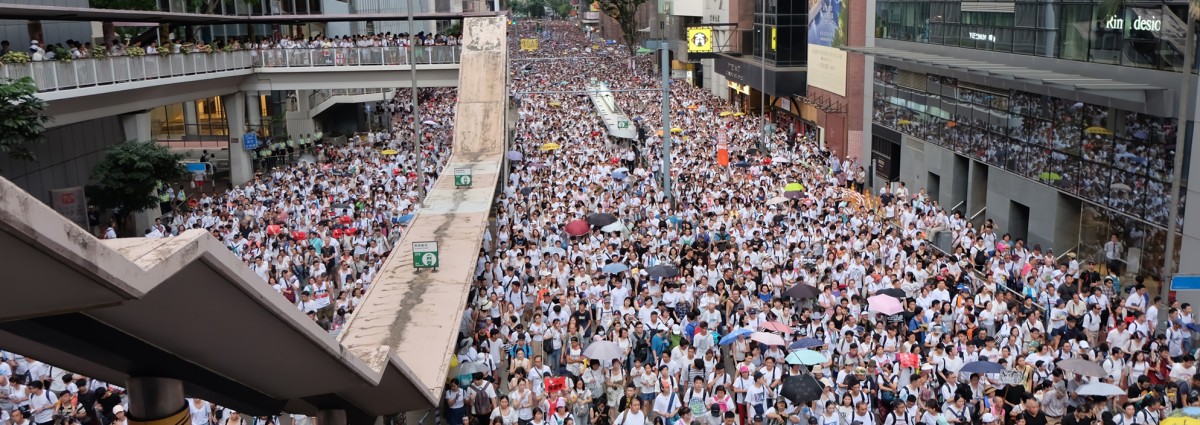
[982, 37]
[700, 40]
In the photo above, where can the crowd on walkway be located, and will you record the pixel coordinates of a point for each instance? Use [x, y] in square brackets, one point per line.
[771, 290]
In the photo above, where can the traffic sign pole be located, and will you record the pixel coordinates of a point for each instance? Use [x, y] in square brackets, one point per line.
[425, 255]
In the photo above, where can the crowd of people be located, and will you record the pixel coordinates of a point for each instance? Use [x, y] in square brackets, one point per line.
[771, 291]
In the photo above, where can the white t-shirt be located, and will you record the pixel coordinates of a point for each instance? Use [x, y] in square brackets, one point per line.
[45, 402]
[629, 418]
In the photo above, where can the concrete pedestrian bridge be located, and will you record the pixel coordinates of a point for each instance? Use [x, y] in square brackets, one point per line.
[86, 89]
[188, 310]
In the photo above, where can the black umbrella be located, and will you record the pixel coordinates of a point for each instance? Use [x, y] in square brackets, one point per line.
[893, 292]
[601, 219]
[663, 271]
[794, 194]
[801, 291]
[801, 389]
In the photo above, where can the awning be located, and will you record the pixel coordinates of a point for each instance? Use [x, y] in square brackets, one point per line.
[1134, 92]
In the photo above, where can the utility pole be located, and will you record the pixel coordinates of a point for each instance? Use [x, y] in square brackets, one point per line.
[416, 111]
[762, 95]
[1185, 97]
[666, 119]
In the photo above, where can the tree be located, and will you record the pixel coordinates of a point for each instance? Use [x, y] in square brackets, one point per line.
[129, 174]
[562, 8]
[21, 119]
[107, 27]
[624, 12]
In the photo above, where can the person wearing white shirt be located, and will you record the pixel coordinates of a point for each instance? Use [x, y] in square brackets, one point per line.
[633, 415]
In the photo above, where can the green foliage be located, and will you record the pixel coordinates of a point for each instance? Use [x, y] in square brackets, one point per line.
[562, 8]
[128, 175]
[16, 57]
[530, 8]
[624, 11]
[21, 119]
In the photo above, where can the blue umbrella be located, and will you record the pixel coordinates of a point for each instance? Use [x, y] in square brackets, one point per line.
[404, 219]
[806, 343]
[805, 357]
[620, 175]
[515, 156]
[982, 366]
[614, 268]
[733, 336]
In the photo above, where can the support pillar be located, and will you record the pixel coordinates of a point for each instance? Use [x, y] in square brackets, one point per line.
[136, 126]
[331, 417]
[254, 110]
[191, 119]
[157, 401]
[241, 161]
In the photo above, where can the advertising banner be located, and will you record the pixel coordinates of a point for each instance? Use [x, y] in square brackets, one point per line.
[828, 24]
[529, 44]
[71, 203]
[700, 40]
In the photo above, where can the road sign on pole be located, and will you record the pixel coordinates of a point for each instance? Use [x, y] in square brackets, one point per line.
[425, 255]
[462, 177]
[622, 124]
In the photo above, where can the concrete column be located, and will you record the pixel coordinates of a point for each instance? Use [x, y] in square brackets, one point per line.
[331, 417]
[191, 117]
[136, 126]
[241, 162]
[254, 110]
[156, 401]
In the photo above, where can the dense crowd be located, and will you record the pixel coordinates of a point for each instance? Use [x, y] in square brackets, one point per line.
[771, 291]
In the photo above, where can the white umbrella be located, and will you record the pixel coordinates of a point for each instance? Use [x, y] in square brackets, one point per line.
[1099, 389]
[468, 368]
[552, 250]
[605, 351]
[614, 227]
[777, 200]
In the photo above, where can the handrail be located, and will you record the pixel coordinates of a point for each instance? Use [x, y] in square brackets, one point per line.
[53, 76]
[960, 203]
[977, 213]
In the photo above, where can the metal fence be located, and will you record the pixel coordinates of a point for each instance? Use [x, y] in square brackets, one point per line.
[61, 75]
[322, 95]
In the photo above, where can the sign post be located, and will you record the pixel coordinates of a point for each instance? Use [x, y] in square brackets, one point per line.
[622, 124]
[425, 255]
[462, 177]
[250, 141]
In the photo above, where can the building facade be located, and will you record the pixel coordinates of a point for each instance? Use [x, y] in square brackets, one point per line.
[1057, 120]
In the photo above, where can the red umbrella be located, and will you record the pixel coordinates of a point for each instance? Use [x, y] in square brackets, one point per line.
[337, 233]
[273, 229]
[578, 227]
[351, 230]
[345, 219]
[298, 235]
[775, 326]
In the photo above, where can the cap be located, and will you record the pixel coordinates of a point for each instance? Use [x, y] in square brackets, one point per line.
[989, 417]
[675, 329]
[118, 409]
[758, 418]
[743, 369]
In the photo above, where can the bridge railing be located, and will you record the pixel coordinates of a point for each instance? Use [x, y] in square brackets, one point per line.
[355, 56]
[62, 75]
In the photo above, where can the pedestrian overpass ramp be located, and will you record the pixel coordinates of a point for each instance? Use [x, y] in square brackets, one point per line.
[186, 308]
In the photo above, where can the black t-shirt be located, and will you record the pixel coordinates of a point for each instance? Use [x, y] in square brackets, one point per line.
[582, 317]
[1031, 419]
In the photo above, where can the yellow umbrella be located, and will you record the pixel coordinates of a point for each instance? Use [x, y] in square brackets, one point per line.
[658, 133]
[740, 114]
[550, 147]
[389, 152]
[676, 130]
[1180, 420]
[726, 113]
[693, 107]
[904, 122]
[791, 187]
[555, 104]
[1098, 130]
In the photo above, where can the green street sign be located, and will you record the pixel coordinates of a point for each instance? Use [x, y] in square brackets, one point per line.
[622, 124]
[425, 255]
[462, 177]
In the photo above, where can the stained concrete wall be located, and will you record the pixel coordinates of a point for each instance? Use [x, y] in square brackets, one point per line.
[66, 158]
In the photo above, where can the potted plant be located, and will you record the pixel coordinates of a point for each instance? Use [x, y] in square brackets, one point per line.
[135, 51]
[15, 57]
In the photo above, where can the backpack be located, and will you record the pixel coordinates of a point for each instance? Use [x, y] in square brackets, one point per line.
[480, 401]
[641, 349]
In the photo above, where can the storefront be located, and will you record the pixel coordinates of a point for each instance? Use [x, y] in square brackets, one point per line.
[746, 80]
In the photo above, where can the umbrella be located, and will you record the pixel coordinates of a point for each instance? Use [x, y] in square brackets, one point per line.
[468, 368]
[1098, 130]
[307, 158]
[982, 366]
[904, 122]
[802, 291]
[768, 338]
[404, 219]
[893, 292]
[1099, 389]
[601, 219]
[555, 104]
[806, 343]
[1050, 176]
[515, 156]
[780, 160]
[801, 389]
[1184, 416]
[616, 226]
[620, 175]
[742, 164]
[885, 304]
[739, 114]
[663, 271]
[577, 228]
[805, 357]
[621, 170]
[795, 194]
[604, 351]
[389, 152]
[725, 114]
[693, 107]
[553, 250]
[676, 130]
[775, 326]
[550, 147]
[791, 187]
[1082, 367]
[433, 124]
[776, 200]
[614, 268]
[1120, 187]
[733, 336]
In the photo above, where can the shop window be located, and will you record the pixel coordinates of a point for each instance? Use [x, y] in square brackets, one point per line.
[1075, 30]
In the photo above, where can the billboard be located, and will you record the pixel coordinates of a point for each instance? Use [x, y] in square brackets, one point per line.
[700, 39]
[828, 24]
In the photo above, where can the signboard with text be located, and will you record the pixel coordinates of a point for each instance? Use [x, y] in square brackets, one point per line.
[250, 141]
[462, 177]
[828, 25]
[425, 255]
[71, 203]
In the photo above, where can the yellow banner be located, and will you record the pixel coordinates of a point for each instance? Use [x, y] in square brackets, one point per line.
[773, 33]
[700, 40]
[529, 44]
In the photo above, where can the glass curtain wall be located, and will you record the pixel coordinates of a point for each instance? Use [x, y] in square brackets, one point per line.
[1118, 162]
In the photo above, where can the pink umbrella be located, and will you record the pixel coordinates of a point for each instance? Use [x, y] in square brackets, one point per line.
[775, 326]
[885, 304]
[578, 227]
[767, 338]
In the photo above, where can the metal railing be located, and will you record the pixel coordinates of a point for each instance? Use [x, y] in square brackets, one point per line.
[318, 96]
[354, 56]
[61, 75]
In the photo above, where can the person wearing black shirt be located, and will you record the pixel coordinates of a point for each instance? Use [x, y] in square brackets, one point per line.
[1081, 416]
[1033, 413]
